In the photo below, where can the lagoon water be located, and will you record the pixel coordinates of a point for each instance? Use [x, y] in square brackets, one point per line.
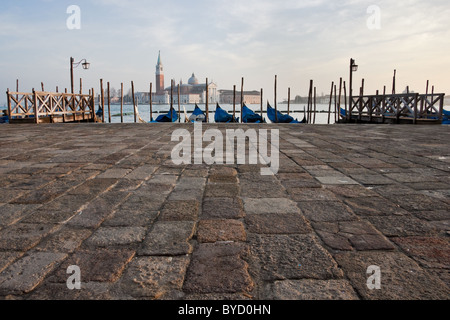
[296, 111]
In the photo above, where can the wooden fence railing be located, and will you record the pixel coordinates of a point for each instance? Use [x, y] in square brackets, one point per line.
[396, 107]
[40, 106]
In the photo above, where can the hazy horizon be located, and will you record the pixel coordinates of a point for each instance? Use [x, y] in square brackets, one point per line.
[225, 41]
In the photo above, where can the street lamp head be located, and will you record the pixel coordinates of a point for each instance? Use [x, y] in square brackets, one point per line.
[85, 65]
[353, 66]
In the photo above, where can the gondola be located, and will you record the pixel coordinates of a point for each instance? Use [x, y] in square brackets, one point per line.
[99, 112]
[171, 116]
[248, 116]
[221, 116]
[197, 115]
[281, 118]
[446, 117]
[4, 117]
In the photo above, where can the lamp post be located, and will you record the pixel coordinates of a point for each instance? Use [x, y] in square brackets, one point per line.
[73, 65]
[353, 68]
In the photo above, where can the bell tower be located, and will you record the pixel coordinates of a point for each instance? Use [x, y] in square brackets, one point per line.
[159, 76]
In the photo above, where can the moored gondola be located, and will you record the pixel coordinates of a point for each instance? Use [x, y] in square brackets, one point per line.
[221, 116]
[248, 116]
[171, 116]
[280, 118]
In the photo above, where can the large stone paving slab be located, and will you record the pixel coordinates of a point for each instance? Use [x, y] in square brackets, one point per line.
[401, 277]
[280, 257]
[154, 277]
[218, 268]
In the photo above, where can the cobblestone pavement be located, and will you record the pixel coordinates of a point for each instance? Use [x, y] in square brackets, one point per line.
[109, 199]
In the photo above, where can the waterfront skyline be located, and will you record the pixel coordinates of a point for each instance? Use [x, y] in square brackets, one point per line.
[225, 41]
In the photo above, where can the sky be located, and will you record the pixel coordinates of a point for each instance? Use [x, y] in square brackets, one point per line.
[225, 40]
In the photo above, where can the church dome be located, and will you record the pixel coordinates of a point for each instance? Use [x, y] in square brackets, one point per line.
[193, 80]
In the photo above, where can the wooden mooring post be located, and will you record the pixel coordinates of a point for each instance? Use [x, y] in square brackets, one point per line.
[345, 99]
[262, 102]
[234, 102]
[151, 102]
[109, 103]
[242, 98]
[329, 105]
[310, 94]
[335, 100]
[314, 114]
[289, 101]
[179, 110]
[338, 109]
[171, 99]
[275, 100]
[207, 101]
[134, 101]
[361, 94]
[102, 93]
[121, 102]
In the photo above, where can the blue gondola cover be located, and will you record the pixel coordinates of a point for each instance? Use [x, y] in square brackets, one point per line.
[248, 116]
[197, 115]
[222, 116]
[281, 118]
[166, 117]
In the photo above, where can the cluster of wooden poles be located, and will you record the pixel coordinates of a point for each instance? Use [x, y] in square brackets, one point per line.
[310, 112]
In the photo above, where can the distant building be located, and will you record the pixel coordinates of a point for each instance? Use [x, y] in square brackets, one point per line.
[190, 93]
[250, 97]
